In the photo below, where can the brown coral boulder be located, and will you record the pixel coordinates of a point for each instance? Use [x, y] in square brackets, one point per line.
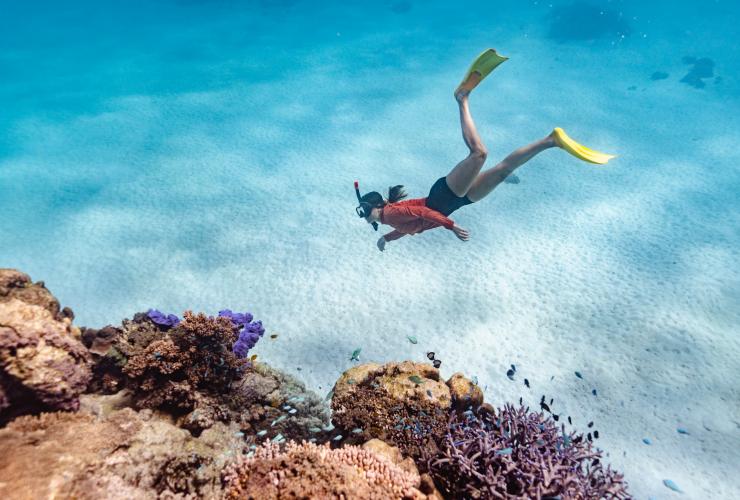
[17, 285]
[309, 471]
[115, 455]
[43, 364]
[465, 394]
[405, 404]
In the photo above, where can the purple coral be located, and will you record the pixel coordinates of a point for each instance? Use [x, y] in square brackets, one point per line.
[166, 320]
[249, 332]
[515, 453]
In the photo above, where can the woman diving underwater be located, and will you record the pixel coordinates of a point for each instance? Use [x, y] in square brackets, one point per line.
[465, 184]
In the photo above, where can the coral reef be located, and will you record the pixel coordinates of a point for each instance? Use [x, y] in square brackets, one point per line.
[515, 453]
[174, 405]
[124, 454]
[405, 404]
[43, 364]
[307, 470]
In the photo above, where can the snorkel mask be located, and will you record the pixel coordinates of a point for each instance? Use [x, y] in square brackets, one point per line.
[364, 208]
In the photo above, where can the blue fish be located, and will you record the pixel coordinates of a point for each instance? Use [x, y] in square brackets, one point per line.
[505, 451]
[681, 430]
[261, 433]
[578, 374]
[356, 430]
[647, 441]
[356, 355]
[338, 438]
[671, 485]
[412, 339]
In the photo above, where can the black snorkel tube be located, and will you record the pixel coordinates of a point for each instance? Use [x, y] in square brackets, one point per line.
[364, 209]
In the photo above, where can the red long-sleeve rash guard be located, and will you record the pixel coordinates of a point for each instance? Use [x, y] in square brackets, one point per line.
[411, 217]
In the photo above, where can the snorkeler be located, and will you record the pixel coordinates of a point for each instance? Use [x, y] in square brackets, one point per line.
[465, 184]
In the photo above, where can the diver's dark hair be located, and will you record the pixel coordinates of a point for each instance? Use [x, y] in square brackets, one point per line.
[395, 193]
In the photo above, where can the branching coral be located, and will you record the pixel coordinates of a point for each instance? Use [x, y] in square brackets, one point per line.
[194, 355]
[309, 471]
[515, 453]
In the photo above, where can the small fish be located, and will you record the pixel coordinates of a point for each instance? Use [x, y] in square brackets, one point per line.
[589, 437]
[590, 424]
[594, 392]
[513, 367]
[596, 434]
[253, 447]
[475, 380]
[351, 381]
[437, 363]
[505, 451]
[330, 395]
[430, 355]
[570, 421]
[526, 382]
[293, 411]
[520, 402]
[458, 443]
[556, 417]
[328, 427]
[314, 430]
[542, 399]
[552, 400]
[578, 374]
[274, 336]
[671, 485]
[416, 379]
[429, 393]
[540, 442]
[312, 440]
[356, 355]
[566, 441]
[356, 431]
[552, 378]
[279, 437]
[412, 339]
[338, 437]
[681, 430]
[287, 407]
[595, 462]
[278, 420]
[545, 407]
[510, 374]
[253, 357]
[239, 434]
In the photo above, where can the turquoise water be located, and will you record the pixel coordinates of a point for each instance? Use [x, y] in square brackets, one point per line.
[200, 155]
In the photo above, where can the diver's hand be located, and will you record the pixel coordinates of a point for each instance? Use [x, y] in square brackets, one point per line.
[461, 233]
[381, 243]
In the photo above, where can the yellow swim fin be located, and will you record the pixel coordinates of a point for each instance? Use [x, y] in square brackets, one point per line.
[579, 150]
[483, 65]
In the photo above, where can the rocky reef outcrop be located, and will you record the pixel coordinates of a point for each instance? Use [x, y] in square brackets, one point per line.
[43, 364]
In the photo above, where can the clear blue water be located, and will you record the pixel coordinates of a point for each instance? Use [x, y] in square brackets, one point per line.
[200, 155]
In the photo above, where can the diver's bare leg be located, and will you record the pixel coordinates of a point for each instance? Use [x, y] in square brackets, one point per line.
[488, 180]
[462, 176]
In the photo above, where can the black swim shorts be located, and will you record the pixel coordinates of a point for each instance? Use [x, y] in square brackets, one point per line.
[442, 199]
